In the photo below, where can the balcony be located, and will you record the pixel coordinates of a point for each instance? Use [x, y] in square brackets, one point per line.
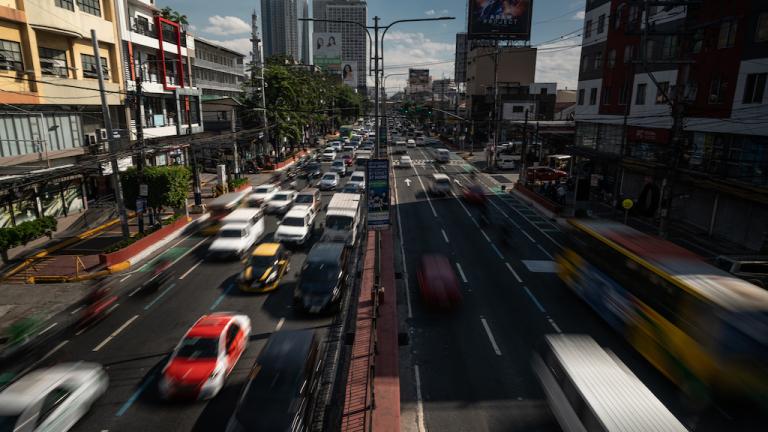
[234, 70]
[201, 83]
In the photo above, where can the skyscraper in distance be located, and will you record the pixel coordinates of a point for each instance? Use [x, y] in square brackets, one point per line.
[305, 47]
[353, 38]
[280, 28]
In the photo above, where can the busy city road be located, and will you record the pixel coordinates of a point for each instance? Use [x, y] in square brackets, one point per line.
[133, 342]
[471, 369]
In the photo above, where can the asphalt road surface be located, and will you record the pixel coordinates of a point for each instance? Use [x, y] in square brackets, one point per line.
[470, 370]
[134, 341]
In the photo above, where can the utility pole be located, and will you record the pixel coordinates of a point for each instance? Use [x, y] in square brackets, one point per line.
[139, 118]
[496, 121]
[376, 82]
[110, 139]
[524, 149]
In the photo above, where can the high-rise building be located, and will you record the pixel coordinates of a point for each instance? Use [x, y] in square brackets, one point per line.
[710, 72]
[354, 38]
[305, 47]
[280, 28]
[460, 65]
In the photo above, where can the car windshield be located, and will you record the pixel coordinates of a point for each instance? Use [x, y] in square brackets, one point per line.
[356, 178]
[260, 264]
[280, 197]
[195, 348]
[329, 177]
[338, 163]
[262, 190]
[329, 151]
[336, 222]
[293, 221]
[231, 233]
[320, 272]
[443, 181]
[303, 199]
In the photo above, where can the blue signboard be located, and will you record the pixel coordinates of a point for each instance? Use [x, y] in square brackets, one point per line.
[377, 185]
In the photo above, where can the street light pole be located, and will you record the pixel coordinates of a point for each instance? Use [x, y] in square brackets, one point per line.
[376, 83]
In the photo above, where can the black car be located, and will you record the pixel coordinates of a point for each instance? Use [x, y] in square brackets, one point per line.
[323, 278]
[281, 388]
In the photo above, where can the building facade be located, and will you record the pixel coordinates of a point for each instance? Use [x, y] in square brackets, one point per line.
[305, 35]
[280, 28]
[706, 166]
[354, 38]
[216, 70]
[460, 64]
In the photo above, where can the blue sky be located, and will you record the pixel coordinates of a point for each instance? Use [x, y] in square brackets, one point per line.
[228, 21]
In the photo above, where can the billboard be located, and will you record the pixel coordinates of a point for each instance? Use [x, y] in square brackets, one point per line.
[377, 185]
[418, 77]
[349, 73]
[327, 50]
[500, 19]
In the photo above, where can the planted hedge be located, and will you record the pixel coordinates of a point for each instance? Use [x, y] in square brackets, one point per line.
[236, 183]
[25, 232]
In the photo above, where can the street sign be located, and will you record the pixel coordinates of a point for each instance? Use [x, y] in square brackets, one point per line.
[627, 204]
[141, 205]
[377, 184]
[143, 190]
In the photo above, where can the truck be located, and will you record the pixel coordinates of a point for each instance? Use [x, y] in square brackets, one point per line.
[342, 219]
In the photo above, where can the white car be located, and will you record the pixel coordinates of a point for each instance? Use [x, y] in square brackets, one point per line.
[336, 145]
[410, 143]
[296, 227]
[52, 399]
[329, 154]
[420, 141]
[262, 194]
[281, 202]
[405, 162]
[357, 179]
[234, 240]
[339, 167]
[328, 181]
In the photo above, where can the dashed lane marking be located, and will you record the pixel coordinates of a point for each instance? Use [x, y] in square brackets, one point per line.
[461, 273]
[514, 273]
[490, 336]
[115, 333]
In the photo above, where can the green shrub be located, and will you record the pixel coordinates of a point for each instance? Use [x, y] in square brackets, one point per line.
[26, 232]
[236, 183]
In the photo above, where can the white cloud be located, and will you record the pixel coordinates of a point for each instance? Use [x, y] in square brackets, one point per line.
[559, 65]
[579, 15]
[241, 45]
[444, 11]
[226, 25]
[404, 50]
[430, 12]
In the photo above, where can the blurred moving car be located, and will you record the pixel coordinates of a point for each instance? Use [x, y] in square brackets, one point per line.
[206, 355]
[339, 167]
[52, 399]
[474, 194]
[357, 179]
[281, 388]
[442, 155]
[410, 144]
[329, 154]
[328, 181]
[440, 185]
[323, 278]
[405, 162]
[309, 197]
[544, 174]
[296, 227]
[438, 283]
[234, 240]
[281, 202]
[348, 161]
[262, 194]
[265, 268]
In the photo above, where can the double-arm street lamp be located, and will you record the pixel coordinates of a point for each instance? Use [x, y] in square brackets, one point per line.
[377, 69]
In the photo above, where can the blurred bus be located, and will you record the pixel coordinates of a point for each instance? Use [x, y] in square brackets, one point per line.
[590, 390]
[703, 328]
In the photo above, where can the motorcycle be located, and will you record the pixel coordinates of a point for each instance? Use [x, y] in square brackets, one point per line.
[98, 304]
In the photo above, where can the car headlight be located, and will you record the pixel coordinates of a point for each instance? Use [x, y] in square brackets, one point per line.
[271, 277]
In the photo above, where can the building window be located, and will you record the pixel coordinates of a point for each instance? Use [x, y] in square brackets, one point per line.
[727, 36]
[755, 88]
[543, 91]
[617, 16]
[649, 48]
[761, 30]
[588, 30]
[662, 89]
[601, 24]
[698, 41]
[606, 96]
[584, 63]
[640, 94]
[623, 94]
[669, 48]
[593, 96]
[10, 56]
[716, 90]
[53, 62]
[90, 6]
[629, 53]
[65, 4]
[598, 61]
[612, 58]
[89, 66]
[581, 96]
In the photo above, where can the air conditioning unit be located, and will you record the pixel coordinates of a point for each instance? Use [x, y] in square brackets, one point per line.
[90, 139]
[102, 133]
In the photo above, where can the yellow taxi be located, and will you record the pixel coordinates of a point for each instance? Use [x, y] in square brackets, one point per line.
[263, 270]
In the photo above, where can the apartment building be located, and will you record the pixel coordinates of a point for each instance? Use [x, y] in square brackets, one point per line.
[51, 129]
[707, 64]
[217, 70]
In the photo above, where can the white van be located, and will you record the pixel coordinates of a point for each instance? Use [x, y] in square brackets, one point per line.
[342, 218]
[234, 240]
[253, 217]
[507, 161]
[442, 155]
[296, 227]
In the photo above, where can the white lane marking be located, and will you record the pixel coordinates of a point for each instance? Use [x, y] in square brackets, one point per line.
[461, 272]
[463, 206]
[554, 325]
[115, 333]
[490, 336]
[280, 324]
[402, 250]
[535, 300]
[125, 278]
[555, 242]
[545, 251]
[514, 273]
[48, 328]
[498, 252]
[172, 262]
[426, 195]
[191, 269]
[445, 236]
[138, 288]
[76, 310]
[485, 235]
[419, 401]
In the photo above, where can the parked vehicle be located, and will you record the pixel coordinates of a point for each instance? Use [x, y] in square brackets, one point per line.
[266, 266]
[323, 278]
[234, 240]
[507, 161]
[342, 218]
[329, 181]
[281, 388]
[52, 399]
[542, 173]
[206, 355]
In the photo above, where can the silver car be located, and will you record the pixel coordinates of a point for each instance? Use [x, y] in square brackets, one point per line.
[52, 399]
[328, 181]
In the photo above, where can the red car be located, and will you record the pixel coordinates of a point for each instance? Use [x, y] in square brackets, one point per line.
[205, 356]
[347, 160]
[545, 174]
[474, 194]
[438, 283]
